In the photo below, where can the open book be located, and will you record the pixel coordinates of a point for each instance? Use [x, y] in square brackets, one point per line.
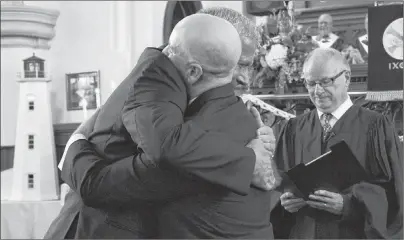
[334, 171]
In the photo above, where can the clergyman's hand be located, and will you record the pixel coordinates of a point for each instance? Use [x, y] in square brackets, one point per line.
[86, 127]
[291, 203]
[327, 201]
[264, 174]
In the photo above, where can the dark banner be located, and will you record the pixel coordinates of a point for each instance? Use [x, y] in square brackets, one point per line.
[385, 63]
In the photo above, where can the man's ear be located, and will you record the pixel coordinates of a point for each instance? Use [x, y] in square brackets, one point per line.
[194, 73]
[347, 78]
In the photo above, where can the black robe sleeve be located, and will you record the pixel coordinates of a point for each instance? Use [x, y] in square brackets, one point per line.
[284, 155]
[282, 220]
[339, 44]
[378, 202]
[382, 197]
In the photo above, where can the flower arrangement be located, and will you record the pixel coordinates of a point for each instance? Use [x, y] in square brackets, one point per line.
[281, 55]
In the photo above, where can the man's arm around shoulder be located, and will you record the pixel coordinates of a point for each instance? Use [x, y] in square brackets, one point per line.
[122, 183]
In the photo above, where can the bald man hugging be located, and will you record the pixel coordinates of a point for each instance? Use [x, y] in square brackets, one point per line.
[173, 153]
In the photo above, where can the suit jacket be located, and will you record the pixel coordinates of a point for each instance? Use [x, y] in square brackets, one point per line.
[177, 198]
[145, 115]
[218, 212]
[65, 224]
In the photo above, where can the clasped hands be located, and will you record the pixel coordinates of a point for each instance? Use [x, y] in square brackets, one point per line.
[320, 199]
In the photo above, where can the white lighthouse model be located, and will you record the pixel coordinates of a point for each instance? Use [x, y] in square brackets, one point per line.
[34, 172]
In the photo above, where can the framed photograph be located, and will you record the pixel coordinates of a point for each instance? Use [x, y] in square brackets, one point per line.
[83, 88]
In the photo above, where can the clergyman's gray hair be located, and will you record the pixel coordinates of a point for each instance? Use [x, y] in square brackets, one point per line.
[245, 27]
[326, 15]
[320, 57]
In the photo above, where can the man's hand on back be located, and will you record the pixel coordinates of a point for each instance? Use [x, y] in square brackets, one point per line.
[263, 146]
[263, 176]
[265, 133]
[82, 132]
[87, 126]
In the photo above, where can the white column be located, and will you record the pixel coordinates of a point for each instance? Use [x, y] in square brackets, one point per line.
[142, 31]
[120, 26]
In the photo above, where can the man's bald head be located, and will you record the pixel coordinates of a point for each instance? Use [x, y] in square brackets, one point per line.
[206, 50]
[325, 17]
[211, 41]
[324, 24]
[247, 30]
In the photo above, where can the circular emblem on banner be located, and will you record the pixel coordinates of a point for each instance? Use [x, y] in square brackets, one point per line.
[393, 39]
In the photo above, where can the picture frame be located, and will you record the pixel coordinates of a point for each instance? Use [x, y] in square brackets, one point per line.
[83, 85]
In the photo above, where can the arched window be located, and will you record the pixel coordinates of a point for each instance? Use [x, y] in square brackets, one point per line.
[175, 11]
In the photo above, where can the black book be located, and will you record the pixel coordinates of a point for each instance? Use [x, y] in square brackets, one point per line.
[333, 171]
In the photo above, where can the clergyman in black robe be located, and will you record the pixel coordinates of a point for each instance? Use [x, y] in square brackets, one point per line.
[369, 209]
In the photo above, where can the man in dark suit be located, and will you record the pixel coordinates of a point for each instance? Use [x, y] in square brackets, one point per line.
[187, 207]
[155, 66]
[121, 184]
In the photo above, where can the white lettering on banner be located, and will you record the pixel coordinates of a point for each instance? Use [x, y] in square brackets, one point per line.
[395, 65]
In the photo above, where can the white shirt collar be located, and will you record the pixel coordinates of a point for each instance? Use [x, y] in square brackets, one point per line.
[330, 40]
[341, 110]
[365, 46]
[363, 38]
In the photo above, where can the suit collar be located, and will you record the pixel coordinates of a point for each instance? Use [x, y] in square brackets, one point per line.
[156, 53]
[163, 67]
[212, 94]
